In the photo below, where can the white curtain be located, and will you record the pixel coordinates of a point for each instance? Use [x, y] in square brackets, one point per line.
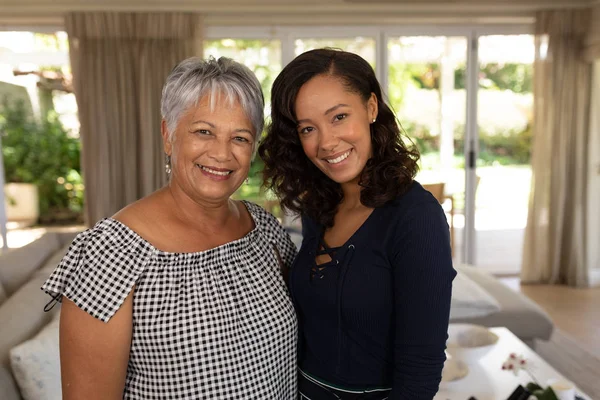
[555, 248]
[120, 62]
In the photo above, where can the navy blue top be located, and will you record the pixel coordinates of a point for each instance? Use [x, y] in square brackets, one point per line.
[377, 315]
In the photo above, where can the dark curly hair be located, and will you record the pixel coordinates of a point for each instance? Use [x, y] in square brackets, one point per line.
[298, 183]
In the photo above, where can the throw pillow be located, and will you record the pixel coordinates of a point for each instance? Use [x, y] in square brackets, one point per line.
[17, 265]
[469, 300]
[36, 365]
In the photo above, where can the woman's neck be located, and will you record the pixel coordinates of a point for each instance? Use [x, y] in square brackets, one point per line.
[351, 192]
[200, 214]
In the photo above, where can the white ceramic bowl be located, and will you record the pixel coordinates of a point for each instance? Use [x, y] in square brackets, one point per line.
[454, 369]
[469, 341]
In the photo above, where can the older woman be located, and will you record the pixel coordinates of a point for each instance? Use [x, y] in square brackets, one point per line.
[180, 294]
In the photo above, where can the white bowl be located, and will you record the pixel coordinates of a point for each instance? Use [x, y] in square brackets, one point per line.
[469, 341]
[454, 369]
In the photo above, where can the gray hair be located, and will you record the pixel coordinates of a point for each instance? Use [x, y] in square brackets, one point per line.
[195, 78]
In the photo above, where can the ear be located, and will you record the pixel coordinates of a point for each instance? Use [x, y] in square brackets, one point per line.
[372, 107]
[167, 145]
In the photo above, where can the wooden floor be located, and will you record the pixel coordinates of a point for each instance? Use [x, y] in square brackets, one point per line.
[574, 311]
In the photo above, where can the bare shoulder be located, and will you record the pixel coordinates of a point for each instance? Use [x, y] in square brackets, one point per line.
[142, 215]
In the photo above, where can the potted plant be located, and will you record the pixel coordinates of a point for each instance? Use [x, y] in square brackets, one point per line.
[18, 134]
[42, 167]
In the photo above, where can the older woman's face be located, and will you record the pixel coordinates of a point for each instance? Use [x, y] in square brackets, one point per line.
[211, 150]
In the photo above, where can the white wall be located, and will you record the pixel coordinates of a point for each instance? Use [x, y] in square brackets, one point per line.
[294, 12]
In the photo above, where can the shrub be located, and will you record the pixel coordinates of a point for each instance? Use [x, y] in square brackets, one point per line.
[43, 153]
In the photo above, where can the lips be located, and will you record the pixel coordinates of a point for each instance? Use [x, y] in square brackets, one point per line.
[215, 171]
[338, 158]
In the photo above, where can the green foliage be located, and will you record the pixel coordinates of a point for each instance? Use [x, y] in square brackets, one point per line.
[510, 147]
[42, 153]
[425, 76]
[261, 56]
[422, 137]
[400, 78]
[505, 148]
[540, 393]
[517, 78]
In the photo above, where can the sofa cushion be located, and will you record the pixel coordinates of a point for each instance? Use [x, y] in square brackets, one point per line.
[469, 300]
[21, 317]
[518, 313]
[51, 263]
[36, 365]
[17, 265]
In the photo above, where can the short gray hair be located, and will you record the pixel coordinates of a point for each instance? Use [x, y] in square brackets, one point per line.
[195, 78]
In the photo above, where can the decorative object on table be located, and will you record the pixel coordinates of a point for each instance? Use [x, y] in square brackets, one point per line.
[469, 341]
[520, 393]
[453, 369]
[563, 389]
[533, 390]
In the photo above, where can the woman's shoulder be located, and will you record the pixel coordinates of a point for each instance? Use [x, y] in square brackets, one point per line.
[110, 234]
[414, 202]
[414, 196]
[100, 268]
[262, 218]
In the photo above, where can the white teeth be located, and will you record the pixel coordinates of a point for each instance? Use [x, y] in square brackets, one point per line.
[340, 158]
[212, 171]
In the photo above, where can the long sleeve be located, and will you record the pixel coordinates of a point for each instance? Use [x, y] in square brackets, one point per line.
[422, 274]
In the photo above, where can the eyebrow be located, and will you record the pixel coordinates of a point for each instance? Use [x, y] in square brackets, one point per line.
[330, 110]
[201, 121]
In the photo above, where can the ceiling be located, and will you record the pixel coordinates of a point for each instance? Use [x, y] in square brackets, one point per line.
[296, 12]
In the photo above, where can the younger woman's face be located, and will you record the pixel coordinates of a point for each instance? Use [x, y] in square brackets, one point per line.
[334, 127]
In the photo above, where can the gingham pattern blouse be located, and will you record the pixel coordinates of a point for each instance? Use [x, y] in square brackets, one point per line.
[216, 324]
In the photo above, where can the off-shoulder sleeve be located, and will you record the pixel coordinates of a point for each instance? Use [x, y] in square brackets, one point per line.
[100, 269]
[274, 232]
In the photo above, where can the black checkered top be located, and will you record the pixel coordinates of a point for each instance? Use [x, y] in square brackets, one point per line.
[216, 324]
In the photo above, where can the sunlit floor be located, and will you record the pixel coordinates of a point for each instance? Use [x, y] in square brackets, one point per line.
[19, 237]
[574, 311]
[498, 242]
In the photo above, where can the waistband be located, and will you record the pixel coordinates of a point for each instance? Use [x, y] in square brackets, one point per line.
[312, 388]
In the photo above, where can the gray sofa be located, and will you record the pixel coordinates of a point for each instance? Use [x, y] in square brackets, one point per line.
[518, 313]
[22, 272]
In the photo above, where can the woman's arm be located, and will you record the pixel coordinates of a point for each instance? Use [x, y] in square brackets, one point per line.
[94, 354]
[423, 275]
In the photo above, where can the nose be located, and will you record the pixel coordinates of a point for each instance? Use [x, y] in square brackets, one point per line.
[328, 141]
[220, 151]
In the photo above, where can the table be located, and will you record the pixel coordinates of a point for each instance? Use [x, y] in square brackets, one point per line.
[486, 379]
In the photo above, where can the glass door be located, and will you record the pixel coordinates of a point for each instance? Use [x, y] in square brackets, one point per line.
[363, 46]
[426, 88]
[504, 116]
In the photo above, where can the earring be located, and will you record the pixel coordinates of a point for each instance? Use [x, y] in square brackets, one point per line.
[247, 181]
[168, 164]
[374, 119]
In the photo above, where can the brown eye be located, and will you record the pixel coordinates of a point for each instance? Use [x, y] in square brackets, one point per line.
[308, 129]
